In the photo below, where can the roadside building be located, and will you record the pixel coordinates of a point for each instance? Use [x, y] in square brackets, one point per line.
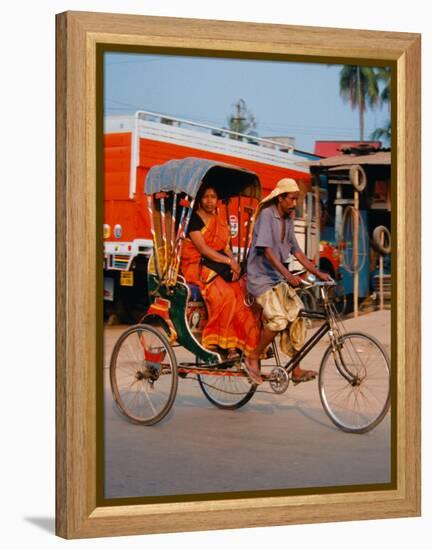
[358, 171]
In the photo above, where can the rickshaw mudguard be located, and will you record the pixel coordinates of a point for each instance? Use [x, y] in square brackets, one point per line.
[177, 300]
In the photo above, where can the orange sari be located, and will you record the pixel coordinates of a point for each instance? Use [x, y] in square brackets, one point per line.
[231, 324]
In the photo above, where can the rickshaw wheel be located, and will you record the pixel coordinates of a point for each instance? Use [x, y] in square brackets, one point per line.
[143, 375]
[226, 391]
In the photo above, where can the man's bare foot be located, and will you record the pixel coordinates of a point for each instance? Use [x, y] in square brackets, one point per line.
[252, 368]
[299, 375]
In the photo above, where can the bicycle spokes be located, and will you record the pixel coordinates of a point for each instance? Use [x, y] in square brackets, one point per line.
[354, 382]
[152, 353]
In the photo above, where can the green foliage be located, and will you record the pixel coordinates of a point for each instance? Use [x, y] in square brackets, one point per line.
[383, 134]
[384, 76]
[360, 86]
[241, 119]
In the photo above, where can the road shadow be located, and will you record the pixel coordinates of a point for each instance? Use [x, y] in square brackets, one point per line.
[46, 524]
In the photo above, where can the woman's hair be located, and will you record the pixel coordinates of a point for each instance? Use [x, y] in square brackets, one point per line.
[205, 187]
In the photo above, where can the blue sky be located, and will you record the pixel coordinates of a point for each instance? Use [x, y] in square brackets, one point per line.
[300, 100]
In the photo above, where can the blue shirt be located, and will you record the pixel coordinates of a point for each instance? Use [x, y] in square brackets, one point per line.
[269, 233]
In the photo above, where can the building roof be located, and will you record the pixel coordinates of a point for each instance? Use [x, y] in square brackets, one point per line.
[333, 148]
[342, 161]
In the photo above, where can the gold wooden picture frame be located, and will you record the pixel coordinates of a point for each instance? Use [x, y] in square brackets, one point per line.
[80, 36]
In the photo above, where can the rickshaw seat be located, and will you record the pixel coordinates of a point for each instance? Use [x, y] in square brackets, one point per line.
[195, 295]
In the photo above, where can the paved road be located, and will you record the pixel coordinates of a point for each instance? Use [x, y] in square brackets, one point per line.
[275, 441]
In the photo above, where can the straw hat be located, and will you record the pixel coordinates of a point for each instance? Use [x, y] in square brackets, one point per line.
[285, 185]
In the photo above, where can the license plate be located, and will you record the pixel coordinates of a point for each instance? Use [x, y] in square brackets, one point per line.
[126, 278]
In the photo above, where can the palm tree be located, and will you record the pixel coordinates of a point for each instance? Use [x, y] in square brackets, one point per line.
[383, 133]
[384, 75]
[359, 86]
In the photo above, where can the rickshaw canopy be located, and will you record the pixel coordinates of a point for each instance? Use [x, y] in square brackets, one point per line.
[187, 175]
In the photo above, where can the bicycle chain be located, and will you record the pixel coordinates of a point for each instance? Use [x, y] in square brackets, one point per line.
[226, 391]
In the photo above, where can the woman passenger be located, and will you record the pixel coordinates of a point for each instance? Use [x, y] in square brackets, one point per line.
[231, 324]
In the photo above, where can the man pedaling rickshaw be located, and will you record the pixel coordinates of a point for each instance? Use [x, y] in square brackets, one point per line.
[270, 282]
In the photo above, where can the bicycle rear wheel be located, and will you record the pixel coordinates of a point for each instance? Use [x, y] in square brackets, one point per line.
[143, 375]
[227, 390]
[354, 383]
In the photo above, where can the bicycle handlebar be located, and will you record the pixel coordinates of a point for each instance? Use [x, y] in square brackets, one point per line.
[325, 283]
[309, 283]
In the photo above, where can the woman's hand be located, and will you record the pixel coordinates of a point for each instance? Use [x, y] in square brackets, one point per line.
[235, 268]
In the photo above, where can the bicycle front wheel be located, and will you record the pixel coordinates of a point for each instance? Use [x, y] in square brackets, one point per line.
[337, 296]
[308, 299]
[143, 375]
[354, 383]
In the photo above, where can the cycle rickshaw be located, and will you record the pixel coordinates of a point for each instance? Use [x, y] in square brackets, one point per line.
[354, 374]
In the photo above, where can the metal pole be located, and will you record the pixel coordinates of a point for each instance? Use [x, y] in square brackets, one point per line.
[355, 250]
[381, 275]
[308, 247]
[317, 221]
[338, 215]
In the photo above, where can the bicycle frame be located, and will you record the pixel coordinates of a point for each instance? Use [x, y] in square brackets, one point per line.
[325, 328]
[313, 340]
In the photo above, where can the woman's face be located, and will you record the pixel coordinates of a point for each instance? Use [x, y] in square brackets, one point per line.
[209, 201]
